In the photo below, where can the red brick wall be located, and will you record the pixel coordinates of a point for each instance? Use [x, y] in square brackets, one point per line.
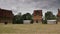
[37, 16]
[6, 16]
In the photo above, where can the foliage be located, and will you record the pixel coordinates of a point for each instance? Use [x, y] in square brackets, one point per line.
[44, 21]
[32, 21]
[18, 19]
[27, 16]
[49, 16]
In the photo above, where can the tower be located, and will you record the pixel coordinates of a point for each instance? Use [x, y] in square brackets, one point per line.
[37, 16]
[58, 15]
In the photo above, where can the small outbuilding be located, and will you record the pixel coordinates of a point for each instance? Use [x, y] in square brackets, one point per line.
[51, 21]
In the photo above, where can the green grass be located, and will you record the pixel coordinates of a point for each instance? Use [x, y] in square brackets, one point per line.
[30, 29]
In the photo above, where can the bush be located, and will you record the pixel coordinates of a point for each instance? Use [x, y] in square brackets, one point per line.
[44, 21]
[31, 21]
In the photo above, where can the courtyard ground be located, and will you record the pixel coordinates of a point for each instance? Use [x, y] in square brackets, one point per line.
[30, 29]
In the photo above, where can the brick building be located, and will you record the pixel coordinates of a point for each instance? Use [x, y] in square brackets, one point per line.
[6, 16]
[37, 16]
[58, 15]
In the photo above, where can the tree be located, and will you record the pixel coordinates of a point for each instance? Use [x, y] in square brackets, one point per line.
[18, 19]
[27, 16]
[49, 15]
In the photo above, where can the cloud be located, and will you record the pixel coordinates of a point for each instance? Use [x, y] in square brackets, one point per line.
[25, 6]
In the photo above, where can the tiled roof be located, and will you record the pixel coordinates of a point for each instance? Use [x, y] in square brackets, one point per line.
[37, 12]
[6, 13]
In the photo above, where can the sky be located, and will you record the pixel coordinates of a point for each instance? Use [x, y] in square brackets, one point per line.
[28, 6]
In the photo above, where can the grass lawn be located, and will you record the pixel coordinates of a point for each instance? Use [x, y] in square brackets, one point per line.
[30, 29]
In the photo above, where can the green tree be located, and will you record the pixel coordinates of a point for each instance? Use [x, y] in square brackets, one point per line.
[18, 19]
[49, 15]
[27, 16]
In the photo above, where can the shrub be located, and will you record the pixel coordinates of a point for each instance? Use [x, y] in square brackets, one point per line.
[44, 22]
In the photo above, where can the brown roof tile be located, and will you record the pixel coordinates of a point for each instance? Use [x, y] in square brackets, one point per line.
[37, 12]
[6, 13]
